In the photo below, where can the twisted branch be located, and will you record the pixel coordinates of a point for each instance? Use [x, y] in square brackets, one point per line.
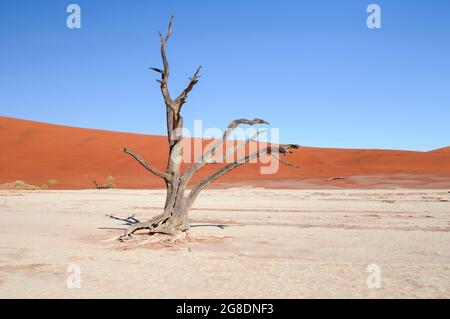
[181, 99]
[284, 149]
[165, 72]
[147, 166]
[205, 157]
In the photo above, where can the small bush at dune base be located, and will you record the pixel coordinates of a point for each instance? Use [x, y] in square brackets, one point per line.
[110, 181]
[52, 182]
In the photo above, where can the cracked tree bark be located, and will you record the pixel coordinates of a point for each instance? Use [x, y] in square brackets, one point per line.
[174, 218]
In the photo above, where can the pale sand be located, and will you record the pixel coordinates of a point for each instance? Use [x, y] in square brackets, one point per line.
[281, 243]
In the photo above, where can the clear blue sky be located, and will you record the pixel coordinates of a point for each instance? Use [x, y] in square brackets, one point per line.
[311, 68]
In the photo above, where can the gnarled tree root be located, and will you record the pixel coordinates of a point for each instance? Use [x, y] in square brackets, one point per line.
[160, 224]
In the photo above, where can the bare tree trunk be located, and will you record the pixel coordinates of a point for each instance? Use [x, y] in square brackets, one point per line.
[174, 218]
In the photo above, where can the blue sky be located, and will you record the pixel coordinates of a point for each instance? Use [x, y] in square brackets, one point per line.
[311, 68]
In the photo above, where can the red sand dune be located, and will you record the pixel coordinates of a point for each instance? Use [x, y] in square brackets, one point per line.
[37, 152]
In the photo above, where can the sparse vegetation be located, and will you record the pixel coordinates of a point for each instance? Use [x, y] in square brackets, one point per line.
[19, 184]
[22, 185]
[52, 182]
[110, 181]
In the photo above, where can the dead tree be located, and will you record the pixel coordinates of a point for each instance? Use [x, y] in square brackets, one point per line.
[174, 218]
[101, 186]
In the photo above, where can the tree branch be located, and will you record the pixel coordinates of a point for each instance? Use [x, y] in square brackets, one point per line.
[237, 148]
[147, 166]
[203, 160]
[284, 161]
[283, 149]
[165, 72]
[181, 99]
[228, 132]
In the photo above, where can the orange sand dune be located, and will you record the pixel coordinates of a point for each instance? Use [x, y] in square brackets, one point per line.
[37, 152]
[443, 150]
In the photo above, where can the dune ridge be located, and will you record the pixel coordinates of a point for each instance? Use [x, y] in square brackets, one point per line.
[36, 152]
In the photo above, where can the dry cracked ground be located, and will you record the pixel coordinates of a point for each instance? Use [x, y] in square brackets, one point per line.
[276, 244]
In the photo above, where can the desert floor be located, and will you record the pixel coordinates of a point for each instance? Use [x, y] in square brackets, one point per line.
[279, 243]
